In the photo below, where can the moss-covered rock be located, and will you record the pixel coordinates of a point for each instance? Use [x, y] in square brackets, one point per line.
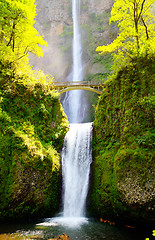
[32, 129]
[122, 184]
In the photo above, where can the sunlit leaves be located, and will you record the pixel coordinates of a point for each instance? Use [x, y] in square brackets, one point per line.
[18, 36]
[136, 24]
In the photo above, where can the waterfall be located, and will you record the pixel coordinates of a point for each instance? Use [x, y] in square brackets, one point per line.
[77, 48]
[72, 103]
[76, 153]
[75, 96]
[76, 160]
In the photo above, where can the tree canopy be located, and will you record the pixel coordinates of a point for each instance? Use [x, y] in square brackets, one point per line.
[136, 24]
[18, 36]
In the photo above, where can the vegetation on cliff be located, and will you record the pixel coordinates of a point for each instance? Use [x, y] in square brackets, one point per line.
[123, 144]
[122, 183]
[32, 121]
[32, 129]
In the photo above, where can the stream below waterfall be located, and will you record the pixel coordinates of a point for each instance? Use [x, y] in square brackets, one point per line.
[90, 229]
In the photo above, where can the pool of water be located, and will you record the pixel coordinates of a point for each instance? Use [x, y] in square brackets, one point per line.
[81, 229]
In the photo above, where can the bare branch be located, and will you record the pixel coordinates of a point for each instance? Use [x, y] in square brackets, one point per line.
[142, 6]
[147, 34]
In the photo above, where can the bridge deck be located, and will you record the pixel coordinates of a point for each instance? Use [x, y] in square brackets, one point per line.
[79, 85]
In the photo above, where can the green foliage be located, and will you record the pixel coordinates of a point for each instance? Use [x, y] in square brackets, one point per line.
[97, 31]
[123, 143]
[136, 30]
[96, 77]
[32, 121]
[105, 60]
[147, 140]
[18, 37]
[66, 37]
[32, 129]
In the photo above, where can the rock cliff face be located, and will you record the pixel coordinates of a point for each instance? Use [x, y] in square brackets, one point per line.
[54, 21]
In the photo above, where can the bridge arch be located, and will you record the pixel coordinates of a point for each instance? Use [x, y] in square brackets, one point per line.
[63, 87]
[79, 88]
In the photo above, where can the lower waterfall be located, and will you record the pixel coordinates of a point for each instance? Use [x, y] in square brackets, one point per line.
[76, 160]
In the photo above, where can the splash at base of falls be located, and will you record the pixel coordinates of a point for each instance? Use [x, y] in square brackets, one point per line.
[68, 222]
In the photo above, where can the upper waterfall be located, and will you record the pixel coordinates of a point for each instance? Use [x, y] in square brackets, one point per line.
[72, 103]
[77, 48]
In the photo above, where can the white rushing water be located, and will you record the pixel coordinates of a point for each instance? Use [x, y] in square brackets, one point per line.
[73, 99]
[77, 48]
[76, 153]
[75, 96]
[76, 160]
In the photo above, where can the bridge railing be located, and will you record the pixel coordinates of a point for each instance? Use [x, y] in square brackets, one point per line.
[94, 86]
[81, 83]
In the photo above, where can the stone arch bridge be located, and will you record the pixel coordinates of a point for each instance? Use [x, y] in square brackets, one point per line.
[93, 86]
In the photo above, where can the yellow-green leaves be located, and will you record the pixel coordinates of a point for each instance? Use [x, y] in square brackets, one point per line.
[18, 36]
[136, 24]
